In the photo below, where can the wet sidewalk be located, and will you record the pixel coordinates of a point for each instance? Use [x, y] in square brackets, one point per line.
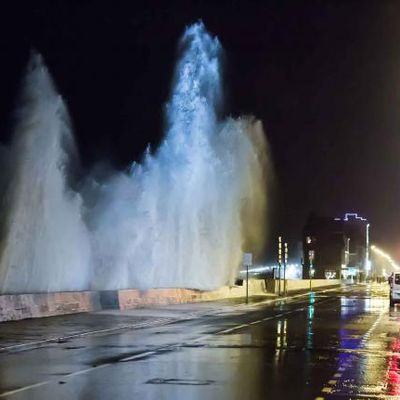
[31, 333]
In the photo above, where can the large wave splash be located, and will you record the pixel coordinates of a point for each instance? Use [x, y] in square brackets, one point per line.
[45, 244]
[182, 217]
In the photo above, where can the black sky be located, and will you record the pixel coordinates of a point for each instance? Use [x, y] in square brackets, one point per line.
[323, 76]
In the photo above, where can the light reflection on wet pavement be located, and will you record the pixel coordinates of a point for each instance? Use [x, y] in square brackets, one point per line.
[338, 344]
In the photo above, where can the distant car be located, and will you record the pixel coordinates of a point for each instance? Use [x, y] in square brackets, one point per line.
[394, 289]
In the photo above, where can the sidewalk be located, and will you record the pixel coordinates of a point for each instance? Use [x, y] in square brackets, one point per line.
[31, 333]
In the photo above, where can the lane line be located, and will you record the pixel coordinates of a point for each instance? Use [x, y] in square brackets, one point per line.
[256, 322]
[84, 371]
[145, 354]
[23, 389]
[235, 328]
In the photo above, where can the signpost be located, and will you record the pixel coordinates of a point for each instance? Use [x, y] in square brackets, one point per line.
[247, 262]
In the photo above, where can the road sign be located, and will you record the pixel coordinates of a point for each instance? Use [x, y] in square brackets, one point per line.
[247, 262]
[247, 259]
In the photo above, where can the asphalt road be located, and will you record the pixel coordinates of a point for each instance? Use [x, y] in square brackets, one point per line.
[342, 344]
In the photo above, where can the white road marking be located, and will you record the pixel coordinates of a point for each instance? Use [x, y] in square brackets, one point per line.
[23, 389]
[256, 322]
[84, 371]
[142, 355]
[235, 328]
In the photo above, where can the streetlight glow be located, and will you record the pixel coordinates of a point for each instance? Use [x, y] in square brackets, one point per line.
[385, 255]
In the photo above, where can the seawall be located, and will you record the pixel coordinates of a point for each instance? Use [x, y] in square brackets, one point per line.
[36, 305]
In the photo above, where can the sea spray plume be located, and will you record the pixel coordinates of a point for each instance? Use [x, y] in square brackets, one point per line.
[259, 178]
[46, 245]
[196, 94]
[176, 219]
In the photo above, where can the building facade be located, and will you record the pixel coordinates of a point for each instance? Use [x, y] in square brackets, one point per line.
[336, 248]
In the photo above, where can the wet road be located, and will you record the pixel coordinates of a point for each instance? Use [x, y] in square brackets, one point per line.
[328, 345]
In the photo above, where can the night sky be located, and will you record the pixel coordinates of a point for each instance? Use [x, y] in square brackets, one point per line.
[323, 76]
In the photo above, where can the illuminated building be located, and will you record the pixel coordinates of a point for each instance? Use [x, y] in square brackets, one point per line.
[336, 247]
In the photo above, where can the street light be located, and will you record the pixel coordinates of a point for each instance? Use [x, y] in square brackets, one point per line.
[367, 260]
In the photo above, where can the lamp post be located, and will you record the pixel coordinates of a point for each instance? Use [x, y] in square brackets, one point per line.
[310, 270]
[284, 268]
[367, 261]
[279, 263]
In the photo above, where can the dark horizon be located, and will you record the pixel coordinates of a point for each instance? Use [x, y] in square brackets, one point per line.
[322, 77]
